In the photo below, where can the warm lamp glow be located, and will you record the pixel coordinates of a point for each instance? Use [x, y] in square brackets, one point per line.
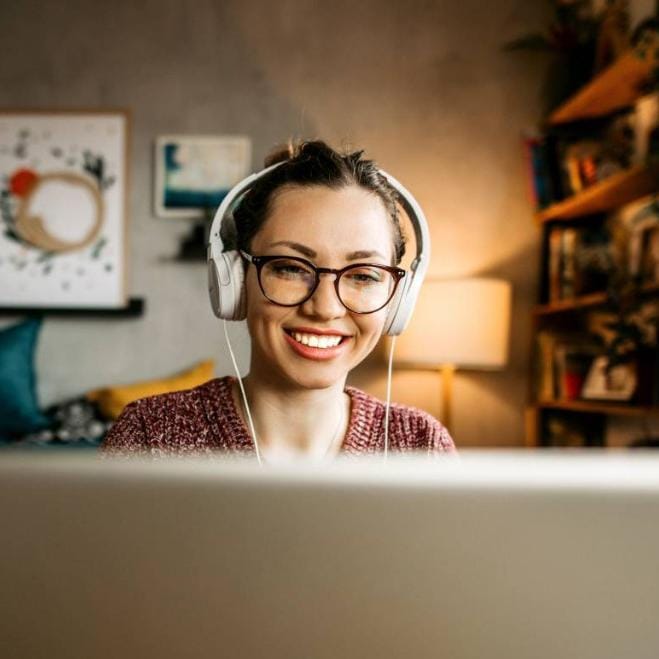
[462, 323]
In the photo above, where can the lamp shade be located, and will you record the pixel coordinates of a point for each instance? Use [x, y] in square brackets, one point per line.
[458, 322]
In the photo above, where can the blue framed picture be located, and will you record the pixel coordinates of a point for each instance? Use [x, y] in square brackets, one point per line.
[195, 172]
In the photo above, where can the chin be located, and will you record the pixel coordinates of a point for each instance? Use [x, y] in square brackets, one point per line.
[312, 377]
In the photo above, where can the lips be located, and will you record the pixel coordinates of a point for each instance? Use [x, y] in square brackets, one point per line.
[316, 344]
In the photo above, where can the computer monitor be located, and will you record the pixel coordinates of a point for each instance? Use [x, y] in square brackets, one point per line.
[506, 556]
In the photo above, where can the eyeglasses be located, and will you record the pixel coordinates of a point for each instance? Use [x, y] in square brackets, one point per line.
[361, 287]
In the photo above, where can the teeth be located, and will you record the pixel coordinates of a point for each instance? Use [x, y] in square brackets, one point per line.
[316, 341]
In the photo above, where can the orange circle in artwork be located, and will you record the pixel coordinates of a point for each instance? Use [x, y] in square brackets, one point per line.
[22, 181]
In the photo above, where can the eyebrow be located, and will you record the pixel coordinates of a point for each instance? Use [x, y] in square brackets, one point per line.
[307, 251]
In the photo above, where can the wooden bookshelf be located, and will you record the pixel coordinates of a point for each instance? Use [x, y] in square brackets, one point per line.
[615, 88]
[599, 407]
[615, 191]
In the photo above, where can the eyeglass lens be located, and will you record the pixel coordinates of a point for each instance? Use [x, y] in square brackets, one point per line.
[362, 289]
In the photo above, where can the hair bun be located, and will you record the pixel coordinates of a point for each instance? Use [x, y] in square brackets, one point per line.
[280, 153]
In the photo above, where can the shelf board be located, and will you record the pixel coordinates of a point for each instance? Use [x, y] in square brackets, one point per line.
[564, 306]
[615, 88]
[615, 191]
[134, 309]
[600, 299]
[599, 407]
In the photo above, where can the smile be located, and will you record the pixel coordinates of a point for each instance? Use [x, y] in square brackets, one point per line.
[316, 341]
[316, 346]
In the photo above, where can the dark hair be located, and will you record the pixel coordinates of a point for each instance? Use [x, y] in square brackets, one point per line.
[310, 164]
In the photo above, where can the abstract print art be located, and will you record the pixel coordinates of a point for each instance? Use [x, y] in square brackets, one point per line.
[62, 209]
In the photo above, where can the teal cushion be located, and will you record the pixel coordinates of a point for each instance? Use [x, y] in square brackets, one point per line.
[19, 410]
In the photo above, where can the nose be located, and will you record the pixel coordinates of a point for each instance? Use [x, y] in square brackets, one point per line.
[324, 303]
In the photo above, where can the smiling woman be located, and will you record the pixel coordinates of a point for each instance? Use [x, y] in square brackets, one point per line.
[315, 242]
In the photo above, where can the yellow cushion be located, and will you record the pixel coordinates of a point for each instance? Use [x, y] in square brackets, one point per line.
[112, 400]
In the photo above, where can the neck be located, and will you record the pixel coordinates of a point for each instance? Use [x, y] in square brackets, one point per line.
[291, 420]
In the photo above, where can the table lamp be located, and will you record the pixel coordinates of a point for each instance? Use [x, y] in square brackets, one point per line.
[457, 323]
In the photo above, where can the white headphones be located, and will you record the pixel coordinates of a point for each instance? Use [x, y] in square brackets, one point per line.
[226, 274]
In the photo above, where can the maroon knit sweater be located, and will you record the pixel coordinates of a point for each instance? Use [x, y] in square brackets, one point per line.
[205, 419]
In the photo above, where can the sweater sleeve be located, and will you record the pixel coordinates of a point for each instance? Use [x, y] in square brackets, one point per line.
[127, 435]
[440, 441]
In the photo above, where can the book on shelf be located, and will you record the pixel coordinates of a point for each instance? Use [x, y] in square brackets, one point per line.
[562, 363]
[543, 174]
[564, 162]
[578, 261]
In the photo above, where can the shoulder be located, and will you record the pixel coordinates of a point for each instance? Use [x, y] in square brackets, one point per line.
[410, 428]
[182, 401]
[173, 420]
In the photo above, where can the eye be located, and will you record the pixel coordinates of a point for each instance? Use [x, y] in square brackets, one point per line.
[366, 276]
[289, 270]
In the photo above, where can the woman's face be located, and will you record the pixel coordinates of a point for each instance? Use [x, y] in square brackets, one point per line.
[330, 228]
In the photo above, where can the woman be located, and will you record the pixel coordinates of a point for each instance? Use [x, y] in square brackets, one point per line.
[308, 327]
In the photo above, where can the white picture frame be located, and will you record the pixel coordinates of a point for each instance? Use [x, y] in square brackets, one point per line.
[619, 384]
[194, 172]
[63, 215]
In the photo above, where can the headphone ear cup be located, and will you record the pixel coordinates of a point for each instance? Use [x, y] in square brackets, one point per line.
[226, 288]
[240, 296]
[394, 313]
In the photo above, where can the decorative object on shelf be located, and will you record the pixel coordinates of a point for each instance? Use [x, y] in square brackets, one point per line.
[571, 41]
[613, 34]
[459, 323]
[62, 208]
[641, 224]
[194, 244]
[194, 172]
[603, 382]
[646, 119]
[645, 42]
[633, 326]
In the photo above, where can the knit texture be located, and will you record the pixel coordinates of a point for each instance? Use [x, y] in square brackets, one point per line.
[205, 419]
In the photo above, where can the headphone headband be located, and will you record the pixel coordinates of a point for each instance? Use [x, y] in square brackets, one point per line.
[226, 275]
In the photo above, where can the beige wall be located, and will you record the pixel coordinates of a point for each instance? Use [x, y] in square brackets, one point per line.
[423, 86]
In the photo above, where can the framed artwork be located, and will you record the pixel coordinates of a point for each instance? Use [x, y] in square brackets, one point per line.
[63, 219]
[195, 172]
[619, 384]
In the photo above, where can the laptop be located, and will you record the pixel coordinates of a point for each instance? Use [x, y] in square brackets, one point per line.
[507, 555]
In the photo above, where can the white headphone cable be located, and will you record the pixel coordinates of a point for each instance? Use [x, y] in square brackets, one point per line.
[244, 395]
[386, 412]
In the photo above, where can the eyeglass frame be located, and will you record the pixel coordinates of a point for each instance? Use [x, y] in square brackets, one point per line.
[259, 261]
